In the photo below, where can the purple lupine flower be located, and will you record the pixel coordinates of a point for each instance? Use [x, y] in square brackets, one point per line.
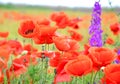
[118, 53]
[95, 27]
[95, 39]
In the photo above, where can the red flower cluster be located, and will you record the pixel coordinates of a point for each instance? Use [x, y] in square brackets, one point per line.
[12, 50]
[115, 28]
[68, 60]
[62, 20]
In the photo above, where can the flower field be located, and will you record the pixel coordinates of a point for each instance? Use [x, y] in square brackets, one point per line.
[47, 46]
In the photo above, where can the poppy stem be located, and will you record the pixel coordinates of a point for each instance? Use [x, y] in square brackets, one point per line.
[76, 78]
[42, 69]
[82, 79]
[48, 47]
[91, 77]
[53, 47]
[45, 46]
[46, 68]
[54, 78]
[95, 77]
[72, 82]
[31, 42]
[24, 42]
[42, 65]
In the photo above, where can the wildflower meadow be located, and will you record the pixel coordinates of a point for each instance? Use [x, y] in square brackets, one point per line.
[48, 46]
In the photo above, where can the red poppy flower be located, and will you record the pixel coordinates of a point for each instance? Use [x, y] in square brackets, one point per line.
[60, 18]
[86, 48]
[115, 28]
[15, 46]
[25, 60]
[17, 69]
[51, 54]
[5, 53]
[57, 57]
[75, 67]
[3, 42]
[45, 34]
[112, 74]
[61, 75]
[74, 23]
[101, 56]
[69, 55]
[66, 44]
[75, 35]
[27, 29]
[43, 39]
[30, 48]
[4, 34]
[43, 21]
[110, 41]
[46, 30]
[55, 60]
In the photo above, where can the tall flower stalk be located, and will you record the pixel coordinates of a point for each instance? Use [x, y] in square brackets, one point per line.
[95, 32]
[95, 27]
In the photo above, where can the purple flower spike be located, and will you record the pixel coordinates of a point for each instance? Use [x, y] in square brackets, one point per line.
[95, 27]
[118, 53]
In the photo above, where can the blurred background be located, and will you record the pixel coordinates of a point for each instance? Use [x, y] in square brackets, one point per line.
[64, 3]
